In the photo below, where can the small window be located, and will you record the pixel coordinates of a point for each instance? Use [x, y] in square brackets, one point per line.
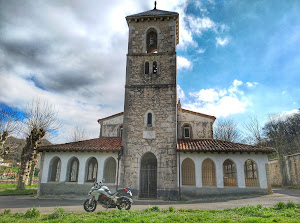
[186, 130]
[121, 131]
[149, 119]
[154, 67]
[146, 67]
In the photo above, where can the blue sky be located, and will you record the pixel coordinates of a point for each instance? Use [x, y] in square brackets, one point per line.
[235, 58]
[261, 49]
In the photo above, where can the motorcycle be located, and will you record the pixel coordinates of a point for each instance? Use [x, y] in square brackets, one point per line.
[100, 193]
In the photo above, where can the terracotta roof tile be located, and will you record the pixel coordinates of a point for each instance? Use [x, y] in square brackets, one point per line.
[98, 144]
[214, 145]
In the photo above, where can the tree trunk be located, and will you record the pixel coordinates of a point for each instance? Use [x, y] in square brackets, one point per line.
[3, 150]
[32, 169]
[28, 154]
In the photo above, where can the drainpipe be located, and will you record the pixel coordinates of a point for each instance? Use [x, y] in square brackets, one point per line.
[119, 157]
[179, 180]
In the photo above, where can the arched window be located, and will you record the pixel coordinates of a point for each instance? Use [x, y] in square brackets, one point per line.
[152, 42]
[186, 131]
[149, 119]
[110, 170]
[92, 169]
[121, 131]
[55, 165]
[251, 175]
[229, 173]
[146, 67]
[154, 67]
[188, 172]
[208, 173]
[73, 170]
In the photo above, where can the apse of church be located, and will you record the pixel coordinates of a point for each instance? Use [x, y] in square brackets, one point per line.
[148, 164]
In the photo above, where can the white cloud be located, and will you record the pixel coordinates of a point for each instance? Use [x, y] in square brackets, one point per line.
[198, 25]
[183, 63]
[218, 102]
[251, 84]
[180, 92]
[201, 50]
[207, 95]
[222, 42]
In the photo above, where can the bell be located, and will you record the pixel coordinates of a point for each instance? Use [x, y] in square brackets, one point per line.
[151, 42]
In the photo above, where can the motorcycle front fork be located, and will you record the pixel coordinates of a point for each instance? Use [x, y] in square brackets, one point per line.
[91, 200]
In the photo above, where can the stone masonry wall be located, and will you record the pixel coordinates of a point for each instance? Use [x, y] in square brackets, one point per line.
[292, 163]
[155, 93]
[111, 126]
[274, 172]
[201, 126]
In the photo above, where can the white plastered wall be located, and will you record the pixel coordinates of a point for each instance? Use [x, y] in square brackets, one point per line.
[218, 158]
[83, 157]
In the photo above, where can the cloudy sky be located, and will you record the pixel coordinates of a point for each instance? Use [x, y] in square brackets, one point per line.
[235, 58]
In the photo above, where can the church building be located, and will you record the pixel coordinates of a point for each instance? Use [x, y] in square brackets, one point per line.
[155, 147]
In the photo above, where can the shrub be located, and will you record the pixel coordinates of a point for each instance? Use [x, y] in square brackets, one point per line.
[154, 208]
[290, 204]
[279, 206]
[58, 213]
[32, 213]
[171, 209]
[259, 206]
[7, 211]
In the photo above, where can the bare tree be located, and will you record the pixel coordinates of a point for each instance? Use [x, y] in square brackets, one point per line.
[78, 133]
[226, 129]
[254, 130]
[9, 121]
[41, 118]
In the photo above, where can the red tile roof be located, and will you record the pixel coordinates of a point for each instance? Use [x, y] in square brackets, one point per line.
[91, 145]
[214, 145]
[192, 145]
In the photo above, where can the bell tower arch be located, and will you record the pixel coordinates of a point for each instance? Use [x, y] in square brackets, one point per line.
[151, 86]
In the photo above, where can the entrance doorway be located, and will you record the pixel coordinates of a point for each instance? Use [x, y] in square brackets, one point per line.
[148, 177]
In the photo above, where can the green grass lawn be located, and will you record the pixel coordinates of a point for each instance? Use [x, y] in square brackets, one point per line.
[13, 186]
[10, 189]
[279, 213]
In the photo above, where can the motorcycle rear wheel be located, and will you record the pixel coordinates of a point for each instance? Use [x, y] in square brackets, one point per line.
[89, 207]
[124, 205]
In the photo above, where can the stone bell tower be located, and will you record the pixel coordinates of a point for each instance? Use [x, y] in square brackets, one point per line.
[148, 163]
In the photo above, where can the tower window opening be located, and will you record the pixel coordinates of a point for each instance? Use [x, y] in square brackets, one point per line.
[152, 42]
[149, 119]
[146, 67]
[154, 67]
[186, 131]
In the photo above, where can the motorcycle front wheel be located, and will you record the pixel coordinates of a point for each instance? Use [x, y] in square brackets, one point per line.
[124, 205]
[89, 207]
